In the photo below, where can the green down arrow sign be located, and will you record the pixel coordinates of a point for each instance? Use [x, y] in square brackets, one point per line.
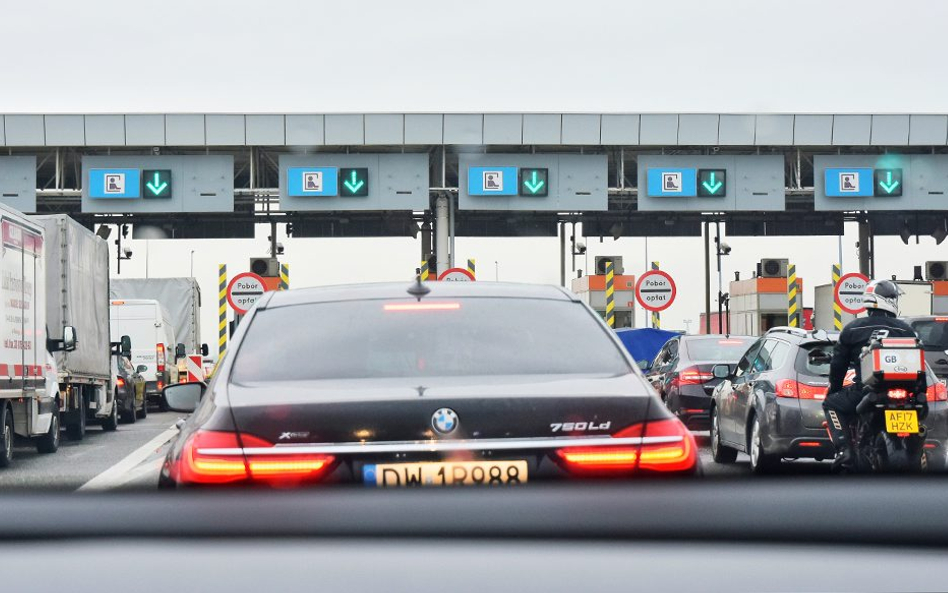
[355, 181]
[157, 183]
[712, 182]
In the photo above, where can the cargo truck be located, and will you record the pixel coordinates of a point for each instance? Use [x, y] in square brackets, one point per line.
[77, 282]
[27, 408]
[181, 299]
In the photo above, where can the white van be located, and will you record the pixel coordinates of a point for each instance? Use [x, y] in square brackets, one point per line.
[148, 325]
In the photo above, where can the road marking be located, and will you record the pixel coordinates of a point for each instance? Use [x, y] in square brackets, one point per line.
[113, 476]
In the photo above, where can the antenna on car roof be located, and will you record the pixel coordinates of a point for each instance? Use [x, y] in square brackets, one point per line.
[418, 289]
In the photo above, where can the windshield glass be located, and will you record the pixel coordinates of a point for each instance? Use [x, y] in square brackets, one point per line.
[718, 349]
[932, 332]
[431, 338]
[814, 360]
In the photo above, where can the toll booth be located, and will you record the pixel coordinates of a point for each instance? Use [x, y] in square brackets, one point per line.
[940, 297]
[592, 290]
[758, 304]
[823, 308]
[916, 299]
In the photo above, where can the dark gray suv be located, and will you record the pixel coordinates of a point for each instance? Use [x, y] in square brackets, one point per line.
[771, 406]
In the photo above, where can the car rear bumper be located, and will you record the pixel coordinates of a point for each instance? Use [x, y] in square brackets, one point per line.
[692, 405]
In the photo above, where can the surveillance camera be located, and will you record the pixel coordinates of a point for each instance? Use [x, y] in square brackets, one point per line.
[156, 150]
[725, 248]
[127, 251]
[279, 248]
[580, 247]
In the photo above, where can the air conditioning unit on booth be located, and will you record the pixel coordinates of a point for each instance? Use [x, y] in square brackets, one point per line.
[936, 270]
[773, 268]
[267, 267]
[601, 264]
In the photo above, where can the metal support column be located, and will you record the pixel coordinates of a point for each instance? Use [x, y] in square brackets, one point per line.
[865, 249]
[707, 277]
[563, 253]
[442, 233]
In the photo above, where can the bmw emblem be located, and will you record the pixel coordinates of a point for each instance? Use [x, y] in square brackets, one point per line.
[444, 421]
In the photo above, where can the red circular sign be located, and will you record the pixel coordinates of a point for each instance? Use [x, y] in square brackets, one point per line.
[456, 275]
[659, 290]
[244, 291]
[848, 292]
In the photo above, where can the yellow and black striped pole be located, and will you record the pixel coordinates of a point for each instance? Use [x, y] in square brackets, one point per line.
[284, 276]
[221, 310]
[792, 311]
[610, 294]
[837, 310]
[424, 270]
[656, 316]
[470, 267]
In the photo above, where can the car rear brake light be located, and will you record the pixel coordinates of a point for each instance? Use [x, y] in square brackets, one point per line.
[160, 357]
[422, 306]
[118, 302]
[941, 319]
[666, 446]
[898, 394]
[120, 382]
[730, 342]
[214, 457]
[811, 444]
[795, 389]
[931, 445]
[937, 392]
[694, 376]
[161, 385]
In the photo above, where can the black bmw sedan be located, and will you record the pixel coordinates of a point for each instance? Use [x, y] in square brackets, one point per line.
[433, 384]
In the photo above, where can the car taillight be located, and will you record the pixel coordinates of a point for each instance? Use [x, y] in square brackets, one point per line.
[898, 394]
[214, 457]
[119, 381]
[693, 376]
[667, 446]
[937, 392]
[795, 389]
[160, 354]
[161, 385]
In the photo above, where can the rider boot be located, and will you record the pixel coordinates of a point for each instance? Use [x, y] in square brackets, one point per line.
[841, 441]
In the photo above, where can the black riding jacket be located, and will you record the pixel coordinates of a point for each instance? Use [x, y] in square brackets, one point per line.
[855, 336]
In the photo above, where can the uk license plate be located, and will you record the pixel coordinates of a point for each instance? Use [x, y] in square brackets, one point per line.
[447, 473]
[901, 421]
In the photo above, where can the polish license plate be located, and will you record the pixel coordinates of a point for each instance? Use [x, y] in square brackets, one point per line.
[447, 473]
[897, 421]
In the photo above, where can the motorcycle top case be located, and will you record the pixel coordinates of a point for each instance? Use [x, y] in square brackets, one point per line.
[892, 360]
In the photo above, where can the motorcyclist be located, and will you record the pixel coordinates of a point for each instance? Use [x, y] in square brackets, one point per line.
[881, 300]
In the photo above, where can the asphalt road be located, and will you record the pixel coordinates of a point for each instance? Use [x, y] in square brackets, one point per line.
[742, 465]
[128, 458]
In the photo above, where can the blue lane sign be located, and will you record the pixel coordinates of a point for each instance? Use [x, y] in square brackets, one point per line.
[849, 182]
[680, 183]
[312, 181]
[492, 181]
[115, 183]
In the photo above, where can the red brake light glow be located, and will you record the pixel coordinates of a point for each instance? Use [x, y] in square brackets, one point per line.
[160, 357]
[677, 454]
[207, 458]
[422, 306]
[795, 389]
[937, 392]
[120, 381]
[941, 319]
[694, 376]
[898, 394]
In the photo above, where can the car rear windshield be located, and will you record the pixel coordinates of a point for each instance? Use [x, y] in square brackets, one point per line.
[933, 333]
[718, 349]
[431, 338]
[813, 359]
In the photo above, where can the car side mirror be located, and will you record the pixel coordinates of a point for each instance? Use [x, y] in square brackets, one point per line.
[69, 338]
[141, 368]
[204, 350]
[183, 397]
[821, 335]
[179, 351]
[818, 357]
[126, 347]
[721, 371]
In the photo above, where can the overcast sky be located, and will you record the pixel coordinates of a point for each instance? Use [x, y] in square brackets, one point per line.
[281, 56]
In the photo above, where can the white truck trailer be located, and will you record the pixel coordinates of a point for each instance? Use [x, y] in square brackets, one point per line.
[77, 282]
[27, 408]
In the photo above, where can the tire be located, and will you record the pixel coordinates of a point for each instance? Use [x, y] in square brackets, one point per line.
[131, 415]
[6, 436]
[111, 423]
[720, 452]
[935, 462]
[49, 442]
[761, 462]
[76, 431]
